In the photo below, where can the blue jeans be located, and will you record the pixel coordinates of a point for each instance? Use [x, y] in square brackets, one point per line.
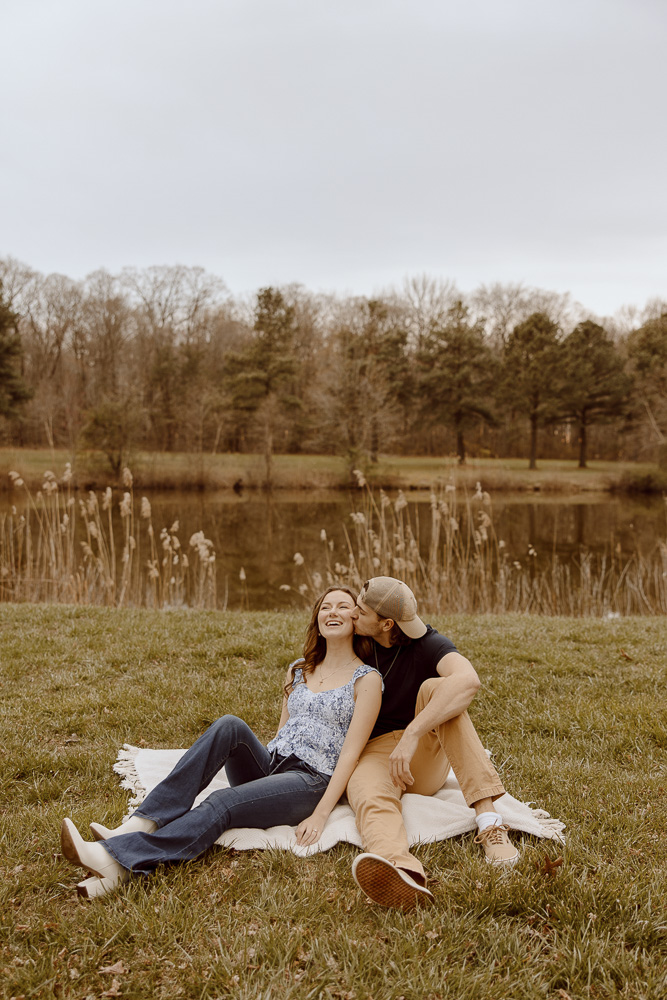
[265, 790]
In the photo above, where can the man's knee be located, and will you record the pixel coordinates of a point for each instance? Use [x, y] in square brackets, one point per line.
[427, 690]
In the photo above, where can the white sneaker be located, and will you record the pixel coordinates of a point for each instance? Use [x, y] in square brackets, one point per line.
[386, 884]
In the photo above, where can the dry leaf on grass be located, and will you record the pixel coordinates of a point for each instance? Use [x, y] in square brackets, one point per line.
[114, 989]
[119, 969]
[549, 867]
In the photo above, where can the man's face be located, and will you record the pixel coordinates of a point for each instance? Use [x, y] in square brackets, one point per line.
[367, 621]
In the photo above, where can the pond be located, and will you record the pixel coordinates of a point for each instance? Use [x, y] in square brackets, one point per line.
[257, 535]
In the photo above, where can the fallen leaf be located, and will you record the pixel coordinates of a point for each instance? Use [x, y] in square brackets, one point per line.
[623, 653]
[114, 989]
[119, 969]
[432, 935]
[73, 738]
[16, 870]
[564, 995]
[548, 867]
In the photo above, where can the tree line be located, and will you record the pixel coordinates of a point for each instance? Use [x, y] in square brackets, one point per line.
[166, 359]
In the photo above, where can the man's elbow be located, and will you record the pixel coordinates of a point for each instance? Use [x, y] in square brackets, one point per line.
[474, 682]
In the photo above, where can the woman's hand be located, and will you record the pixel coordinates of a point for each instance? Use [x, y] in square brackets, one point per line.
[310, 829]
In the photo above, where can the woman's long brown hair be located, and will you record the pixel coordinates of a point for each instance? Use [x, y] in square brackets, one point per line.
[315, 645]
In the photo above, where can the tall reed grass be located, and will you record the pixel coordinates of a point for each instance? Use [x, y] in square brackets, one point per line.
[58, 550]
[462, 565]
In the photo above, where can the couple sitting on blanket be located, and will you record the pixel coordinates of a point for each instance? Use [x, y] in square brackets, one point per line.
[377, 705]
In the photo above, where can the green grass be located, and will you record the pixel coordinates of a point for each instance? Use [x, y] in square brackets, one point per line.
[179, 471]
[573, 709]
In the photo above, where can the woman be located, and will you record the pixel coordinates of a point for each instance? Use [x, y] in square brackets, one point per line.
[330, 704]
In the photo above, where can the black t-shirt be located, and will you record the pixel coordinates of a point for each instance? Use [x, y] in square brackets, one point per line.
[404, 669]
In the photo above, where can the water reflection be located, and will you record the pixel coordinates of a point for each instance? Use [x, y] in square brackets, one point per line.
[261, 533]
[257, 534]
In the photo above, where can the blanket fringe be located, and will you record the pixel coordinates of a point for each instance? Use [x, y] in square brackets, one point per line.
[553, 828]
[126, 767]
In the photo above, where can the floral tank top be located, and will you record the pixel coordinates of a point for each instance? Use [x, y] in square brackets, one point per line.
[318, 721]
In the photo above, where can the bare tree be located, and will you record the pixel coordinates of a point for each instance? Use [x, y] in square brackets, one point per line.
[426, 301]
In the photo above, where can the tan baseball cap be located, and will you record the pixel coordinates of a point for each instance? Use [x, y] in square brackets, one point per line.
[390, 598]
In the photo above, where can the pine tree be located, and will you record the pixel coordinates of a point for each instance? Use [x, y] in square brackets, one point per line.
[261, 378]
[458, 371]
[531, 371]
[13, 390]
[595, 387]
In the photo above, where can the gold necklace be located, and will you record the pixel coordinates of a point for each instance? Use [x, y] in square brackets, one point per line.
[325, 677]
[377, 666]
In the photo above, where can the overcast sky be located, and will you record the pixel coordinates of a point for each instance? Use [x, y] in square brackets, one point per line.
[341, 144]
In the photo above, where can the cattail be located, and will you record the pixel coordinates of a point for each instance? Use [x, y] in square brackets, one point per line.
[127, 478]
[145, 508]
[400, 502]
[298, 559]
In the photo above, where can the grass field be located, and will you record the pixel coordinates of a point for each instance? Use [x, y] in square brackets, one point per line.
[573, 710]
[167, 470]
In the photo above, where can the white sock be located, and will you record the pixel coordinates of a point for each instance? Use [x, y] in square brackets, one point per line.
[487, 819]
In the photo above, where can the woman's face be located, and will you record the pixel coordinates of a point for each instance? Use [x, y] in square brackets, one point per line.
[335, 617]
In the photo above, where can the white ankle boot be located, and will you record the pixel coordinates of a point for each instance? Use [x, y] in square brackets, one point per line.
[94, 887]
[135, 824]
[91, 856]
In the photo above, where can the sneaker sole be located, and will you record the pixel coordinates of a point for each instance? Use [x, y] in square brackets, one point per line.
[503, 862]
[382, 883]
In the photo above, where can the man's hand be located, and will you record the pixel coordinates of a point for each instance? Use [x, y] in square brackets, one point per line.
[399, 760]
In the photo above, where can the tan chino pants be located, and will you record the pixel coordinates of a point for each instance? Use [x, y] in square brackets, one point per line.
[376, 800]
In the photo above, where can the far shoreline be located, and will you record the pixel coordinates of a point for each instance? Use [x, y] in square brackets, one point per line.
[177, 471]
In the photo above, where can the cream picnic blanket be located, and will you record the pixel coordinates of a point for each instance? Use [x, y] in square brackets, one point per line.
[427, 817]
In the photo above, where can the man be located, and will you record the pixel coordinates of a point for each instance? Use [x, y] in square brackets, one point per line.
[423, 728]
